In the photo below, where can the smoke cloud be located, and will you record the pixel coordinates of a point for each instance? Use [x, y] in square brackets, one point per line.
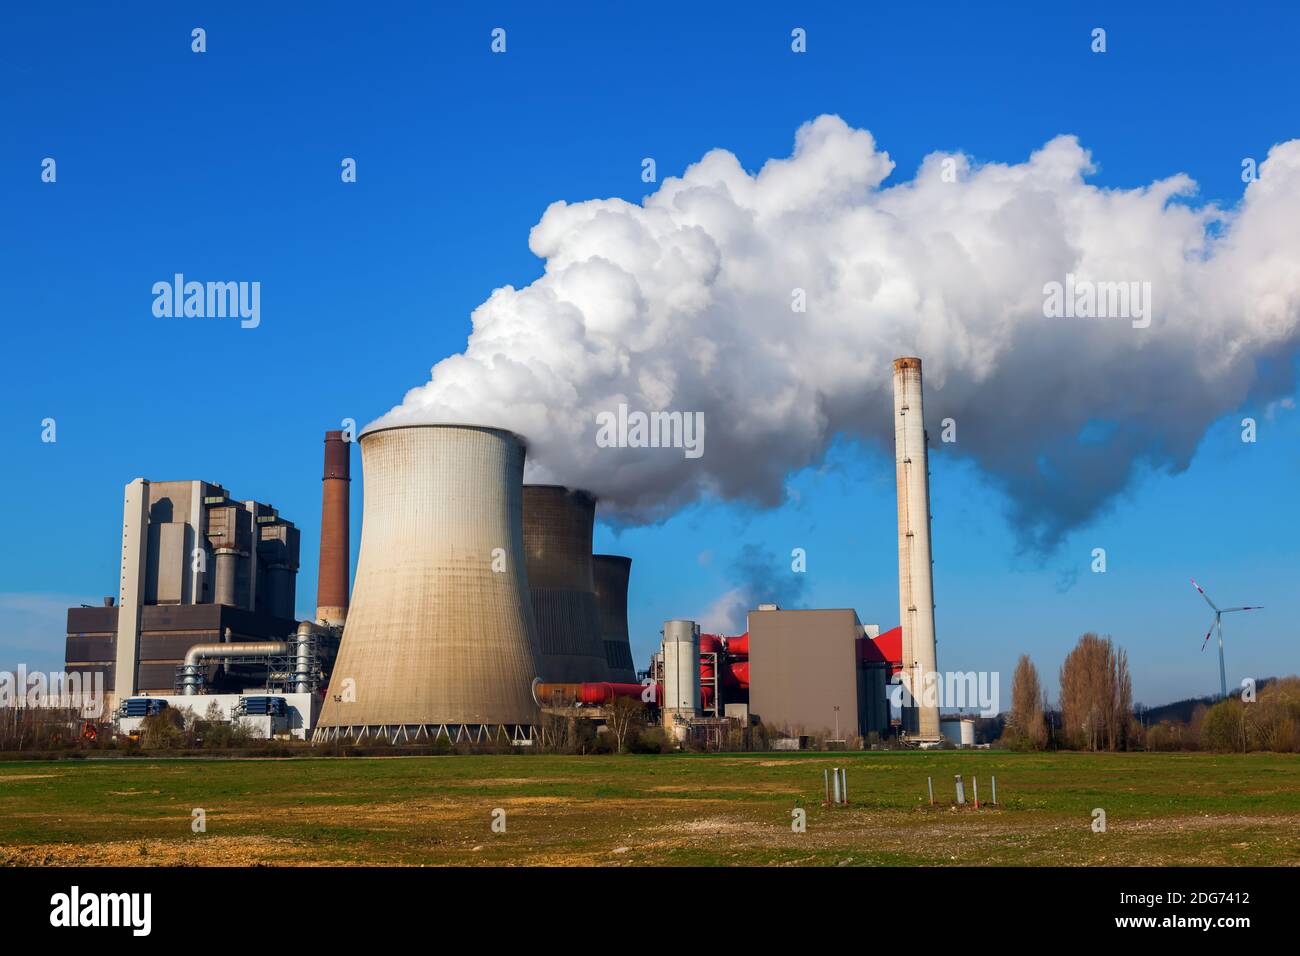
[687, 303]
[762, 578]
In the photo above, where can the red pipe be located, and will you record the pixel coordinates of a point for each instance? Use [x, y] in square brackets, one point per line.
[596, 692]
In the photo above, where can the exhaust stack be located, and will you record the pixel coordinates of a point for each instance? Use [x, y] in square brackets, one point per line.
[332, 582]
[915, 577]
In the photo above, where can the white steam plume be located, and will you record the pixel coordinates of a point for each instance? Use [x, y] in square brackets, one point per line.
[685, 303]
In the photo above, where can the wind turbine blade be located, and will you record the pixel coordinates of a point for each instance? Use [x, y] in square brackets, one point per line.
[1252, 607]
[1204, 595]
[1207, 636]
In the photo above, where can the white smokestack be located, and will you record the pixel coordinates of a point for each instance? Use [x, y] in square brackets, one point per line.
[915, 580]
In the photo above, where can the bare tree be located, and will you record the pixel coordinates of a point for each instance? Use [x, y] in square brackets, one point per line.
[1096, 695]
[1028, 728]
[623, 716]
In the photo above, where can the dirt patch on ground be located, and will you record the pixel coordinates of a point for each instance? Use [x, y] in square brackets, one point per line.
[9, 777]
[725, 788]
[710, 825]
[200, 851]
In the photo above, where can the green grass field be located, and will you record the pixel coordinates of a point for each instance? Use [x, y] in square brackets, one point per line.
[727, 809]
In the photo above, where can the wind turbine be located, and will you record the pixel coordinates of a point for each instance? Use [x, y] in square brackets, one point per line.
[1217, 625]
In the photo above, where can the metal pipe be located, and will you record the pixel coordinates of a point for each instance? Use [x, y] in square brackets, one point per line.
[303, 642]
[596, 692]
[190, 677]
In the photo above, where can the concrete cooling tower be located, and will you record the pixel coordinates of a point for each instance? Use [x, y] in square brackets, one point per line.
[611, 572]
[440, 636]
[557, 549]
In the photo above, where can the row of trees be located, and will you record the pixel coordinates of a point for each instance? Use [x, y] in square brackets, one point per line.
[1272, 722]
[1096, 710]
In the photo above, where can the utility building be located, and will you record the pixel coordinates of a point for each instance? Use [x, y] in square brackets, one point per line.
[804, 673]
[197, 566]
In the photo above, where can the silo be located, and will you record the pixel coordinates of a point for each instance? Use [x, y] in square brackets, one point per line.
[611, 573]
[681, 690]
[439, 635]
[558, 523]
[960, 731]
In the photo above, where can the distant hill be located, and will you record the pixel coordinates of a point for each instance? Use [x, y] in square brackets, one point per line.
[1181, 710]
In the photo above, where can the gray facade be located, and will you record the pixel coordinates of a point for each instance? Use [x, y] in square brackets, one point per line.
[186, 544]
[802, 666]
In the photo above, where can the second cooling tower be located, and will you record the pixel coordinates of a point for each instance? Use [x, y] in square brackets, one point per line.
[611, 573]
[440, 635]
[558, 523]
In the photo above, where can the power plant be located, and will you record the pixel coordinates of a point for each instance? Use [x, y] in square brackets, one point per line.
[478, 611]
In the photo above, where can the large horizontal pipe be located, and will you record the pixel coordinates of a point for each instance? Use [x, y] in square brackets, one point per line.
[249, 649]
[191, 677]
[597, 692]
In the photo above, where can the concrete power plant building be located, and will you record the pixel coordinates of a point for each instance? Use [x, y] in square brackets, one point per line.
[440, 637]
[558, 525]
[915, 567]
[196, 566]
[612, 573]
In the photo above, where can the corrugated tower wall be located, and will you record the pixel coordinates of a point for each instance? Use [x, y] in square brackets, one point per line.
[612, 573]
[440, 629]
[558, 524]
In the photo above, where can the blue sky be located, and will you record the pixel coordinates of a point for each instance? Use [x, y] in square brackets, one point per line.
[226, 164]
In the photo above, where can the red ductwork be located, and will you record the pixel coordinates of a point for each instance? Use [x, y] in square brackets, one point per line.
[594, 693]
[885, 649]
[736, 675]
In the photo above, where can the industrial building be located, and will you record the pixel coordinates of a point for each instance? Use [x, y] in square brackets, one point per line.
[206, 602]
[197, 566]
